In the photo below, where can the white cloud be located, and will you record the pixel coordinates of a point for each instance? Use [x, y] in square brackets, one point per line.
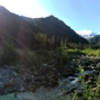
[84, 32]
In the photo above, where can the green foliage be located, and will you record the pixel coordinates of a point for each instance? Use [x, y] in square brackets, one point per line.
[29, 58]
[89, 91]
[75, 96]
[67, 55]
[8, 54]
[91, 52]
[77, 52]
[37, 57]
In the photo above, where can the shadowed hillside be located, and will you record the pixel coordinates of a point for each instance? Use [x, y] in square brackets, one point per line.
[23, 31]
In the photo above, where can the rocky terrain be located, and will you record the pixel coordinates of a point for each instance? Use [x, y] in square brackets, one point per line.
[13, 80]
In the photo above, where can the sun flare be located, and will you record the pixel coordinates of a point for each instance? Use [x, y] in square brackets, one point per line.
[29, 8]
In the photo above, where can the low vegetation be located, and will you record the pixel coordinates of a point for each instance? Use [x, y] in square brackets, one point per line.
[54, 61]
[90, 87]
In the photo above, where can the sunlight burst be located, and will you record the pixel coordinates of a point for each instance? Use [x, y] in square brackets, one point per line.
[29, 8]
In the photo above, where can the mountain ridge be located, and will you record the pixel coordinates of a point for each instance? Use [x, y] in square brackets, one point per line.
[21, 28]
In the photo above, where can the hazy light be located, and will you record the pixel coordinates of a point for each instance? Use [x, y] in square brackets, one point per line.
[29, 8]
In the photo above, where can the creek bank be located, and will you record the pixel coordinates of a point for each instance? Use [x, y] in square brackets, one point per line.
[13, 80]
[67, 84]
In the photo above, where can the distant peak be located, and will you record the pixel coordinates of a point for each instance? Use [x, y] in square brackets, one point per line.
[93, 34]
[51, 17]
[87, 33]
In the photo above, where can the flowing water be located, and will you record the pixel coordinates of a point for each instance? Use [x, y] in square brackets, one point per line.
[48, 93]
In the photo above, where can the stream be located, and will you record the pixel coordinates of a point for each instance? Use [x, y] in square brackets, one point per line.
[67, 84]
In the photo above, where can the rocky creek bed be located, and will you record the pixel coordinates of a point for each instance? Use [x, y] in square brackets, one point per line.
[26, 86]
[45, 93]
[67, 84]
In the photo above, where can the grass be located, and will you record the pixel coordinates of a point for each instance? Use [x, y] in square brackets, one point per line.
[91, 52]
[87, 51]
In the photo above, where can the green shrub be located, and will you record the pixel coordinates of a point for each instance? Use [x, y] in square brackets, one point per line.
[8, 55]
[29, 58]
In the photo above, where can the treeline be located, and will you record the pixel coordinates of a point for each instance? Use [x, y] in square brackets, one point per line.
[43, 40]
[43, 48]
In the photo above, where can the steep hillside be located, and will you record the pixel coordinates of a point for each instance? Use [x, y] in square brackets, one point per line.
[53, 26]
[22, 31]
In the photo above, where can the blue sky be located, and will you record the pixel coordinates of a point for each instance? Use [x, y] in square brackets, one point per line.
[80, 15]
